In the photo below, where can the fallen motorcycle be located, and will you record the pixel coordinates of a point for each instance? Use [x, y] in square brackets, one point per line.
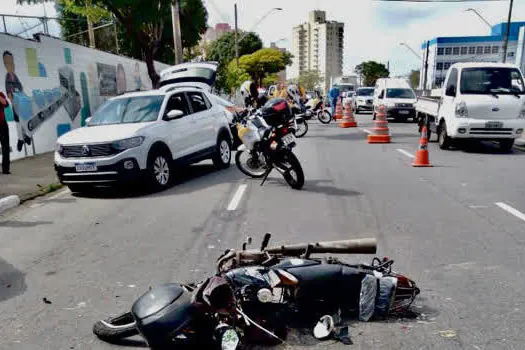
[268, 139]
[256, 294]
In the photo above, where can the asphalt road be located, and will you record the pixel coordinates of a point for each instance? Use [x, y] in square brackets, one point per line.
[452, 228]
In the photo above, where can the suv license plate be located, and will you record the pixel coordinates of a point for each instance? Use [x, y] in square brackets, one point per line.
[404, 112]
[288, 139]
[493, 125]
[85, 167]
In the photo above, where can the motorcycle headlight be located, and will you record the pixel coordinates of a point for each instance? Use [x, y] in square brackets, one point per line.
[124, 144]
[461, 110]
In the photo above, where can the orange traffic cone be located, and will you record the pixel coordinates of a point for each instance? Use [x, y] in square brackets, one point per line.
[380, 132]
[348, 120]
[421, 159]
[338, 110]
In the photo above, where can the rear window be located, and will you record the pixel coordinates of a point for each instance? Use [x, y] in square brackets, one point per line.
[400, 93]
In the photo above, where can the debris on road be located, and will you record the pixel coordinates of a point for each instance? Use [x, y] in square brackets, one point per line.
[46, 301]
[450, 333]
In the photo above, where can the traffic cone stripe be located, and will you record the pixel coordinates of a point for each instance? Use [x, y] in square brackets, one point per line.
[380, 132]
[422, 159]
[348, 120]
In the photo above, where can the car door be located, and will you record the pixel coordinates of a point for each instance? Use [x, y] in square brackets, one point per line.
[447, 107]
[179, 130]
[202, 120]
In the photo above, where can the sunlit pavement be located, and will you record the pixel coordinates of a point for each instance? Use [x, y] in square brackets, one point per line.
[455, 228]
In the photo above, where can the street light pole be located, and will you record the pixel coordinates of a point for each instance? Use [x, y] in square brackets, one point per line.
[480, 16]
[236, 36]
[506, 40]
[411, 50]
[426, 67]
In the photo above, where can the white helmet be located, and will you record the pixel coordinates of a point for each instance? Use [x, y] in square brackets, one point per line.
[293, 92]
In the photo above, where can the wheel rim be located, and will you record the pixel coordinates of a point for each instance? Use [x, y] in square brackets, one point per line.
[301, 129]
[252, 164]
[225, 152]
[324, 116]
[161, 170]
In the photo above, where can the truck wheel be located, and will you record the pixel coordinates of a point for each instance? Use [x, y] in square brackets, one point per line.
[506, 145]
[443, 139]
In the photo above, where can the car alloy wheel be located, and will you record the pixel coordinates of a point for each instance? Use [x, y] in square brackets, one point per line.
[225, 152]
[161, 170]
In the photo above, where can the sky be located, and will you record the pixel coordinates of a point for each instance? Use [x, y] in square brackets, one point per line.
[373, 29]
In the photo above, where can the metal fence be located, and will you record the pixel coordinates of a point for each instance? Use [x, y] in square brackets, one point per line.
[27, 26]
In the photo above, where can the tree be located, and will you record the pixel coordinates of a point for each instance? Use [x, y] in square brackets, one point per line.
[414, 79]
[371, 71]
[263, 62]
[271, 79]
[310, 79]
[235, 76]
[145, 26]
[222, 50]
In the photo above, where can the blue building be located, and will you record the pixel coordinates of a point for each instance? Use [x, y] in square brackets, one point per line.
[445, 51]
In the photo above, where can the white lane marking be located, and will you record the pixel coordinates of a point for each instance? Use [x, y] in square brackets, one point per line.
[511, 210]
[365, 130]
[237, 197]
[405, 153]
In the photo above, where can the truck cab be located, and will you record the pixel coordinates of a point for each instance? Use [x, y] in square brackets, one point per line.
[482, 101]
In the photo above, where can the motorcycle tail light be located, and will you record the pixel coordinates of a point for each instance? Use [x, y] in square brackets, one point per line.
[285, 130]
[273, 145]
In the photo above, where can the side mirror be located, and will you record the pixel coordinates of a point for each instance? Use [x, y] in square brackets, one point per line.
[174, 114]
[451, 91]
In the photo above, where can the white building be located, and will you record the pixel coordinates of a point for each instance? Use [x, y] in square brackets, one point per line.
[318, 45]
[445, 51]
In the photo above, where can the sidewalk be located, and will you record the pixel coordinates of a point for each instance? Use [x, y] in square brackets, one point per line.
[29, 177]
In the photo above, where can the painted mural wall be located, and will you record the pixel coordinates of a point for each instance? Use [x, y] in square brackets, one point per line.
[53, 86]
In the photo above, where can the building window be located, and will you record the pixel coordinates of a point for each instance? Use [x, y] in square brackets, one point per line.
[479, 50]
[472, 50]
[455, 51]
[448, 50]
[495, 49]
[510, 54]
[487, 49]
[447, 65]
[464, 50]
[439, 66]
[440, 51]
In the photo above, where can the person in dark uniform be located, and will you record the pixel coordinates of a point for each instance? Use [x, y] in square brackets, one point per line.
[4, 135]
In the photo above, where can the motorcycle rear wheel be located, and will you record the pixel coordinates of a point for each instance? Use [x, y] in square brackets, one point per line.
[324, 117]
[302, 129]
[245, 168]
[116, 328]
[295, 175]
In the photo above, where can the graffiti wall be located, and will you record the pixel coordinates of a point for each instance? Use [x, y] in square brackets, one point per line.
[53, 86]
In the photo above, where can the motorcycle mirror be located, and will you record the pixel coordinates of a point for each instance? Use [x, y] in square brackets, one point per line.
[266, 240]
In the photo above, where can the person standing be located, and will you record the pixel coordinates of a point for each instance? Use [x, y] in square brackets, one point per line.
[4, 135]
[333, 94]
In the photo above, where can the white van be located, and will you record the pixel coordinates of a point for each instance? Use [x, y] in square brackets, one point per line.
[397, 96]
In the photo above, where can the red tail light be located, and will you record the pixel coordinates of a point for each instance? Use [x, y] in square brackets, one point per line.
[285, 130]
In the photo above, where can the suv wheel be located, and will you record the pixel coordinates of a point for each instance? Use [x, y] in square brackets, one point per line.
[223, 154]
[159, 169]
[443, 139]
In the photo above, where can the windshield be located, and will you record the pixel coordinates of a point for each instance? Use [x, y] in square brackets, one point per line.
[345, 88]
[400, 93]
[138, 109]
[491, 80]
[365, 92]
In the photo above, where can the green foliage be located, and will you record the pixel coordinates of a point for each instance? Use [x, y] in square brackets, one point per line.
[235, 76]
[271, 79]
[414, 78]
[261, 63]
[371, 71]
[310, 79]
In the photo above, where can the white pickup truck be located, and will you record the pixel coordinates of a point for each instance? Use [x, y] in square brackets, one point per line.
[479, 101]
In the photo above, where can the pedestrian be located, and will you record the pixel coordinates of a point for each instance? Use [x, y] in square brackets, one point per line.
[4, 135]
[333, 94]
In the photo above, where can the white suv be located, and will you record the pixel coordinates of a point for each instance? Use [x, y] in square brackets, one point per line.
[144, 135]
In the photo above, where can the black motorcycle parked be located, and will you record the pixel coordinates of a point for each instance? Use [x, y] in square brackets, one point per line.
[256, 294]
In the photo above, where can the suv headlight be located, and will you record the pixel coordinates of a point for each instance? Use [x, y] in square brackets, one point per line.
[124, 144]
[362, 100]
[461, 110]
[59, 148]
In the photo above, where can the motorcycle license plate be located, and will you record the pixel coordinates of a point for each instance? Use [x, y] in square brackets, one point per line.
[288, 139]
[493, 125]
[85, 167]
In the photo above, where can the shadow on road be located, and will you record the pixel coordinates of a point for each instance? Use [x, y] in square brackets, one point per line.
[17, 224]
[186, 180]
[12, 281]
[359, 136]
[315, 186]
[484, 147]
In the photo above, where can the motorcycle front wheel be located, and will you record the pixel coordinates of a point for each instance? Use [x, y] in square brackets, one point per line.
[302, 129]
[116, 328]
[294, 176]
[249, 164]
[324, 116]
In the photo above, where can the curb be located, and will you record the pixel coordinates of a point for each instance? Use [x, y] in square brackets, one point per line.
[9, 202]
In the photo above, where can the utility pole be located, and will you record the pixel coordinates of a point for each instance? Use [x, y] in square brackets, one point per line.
[236, 36]
[177, 41]
[91, 33]
[116, 35]
[506, 40]
[426, 68]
